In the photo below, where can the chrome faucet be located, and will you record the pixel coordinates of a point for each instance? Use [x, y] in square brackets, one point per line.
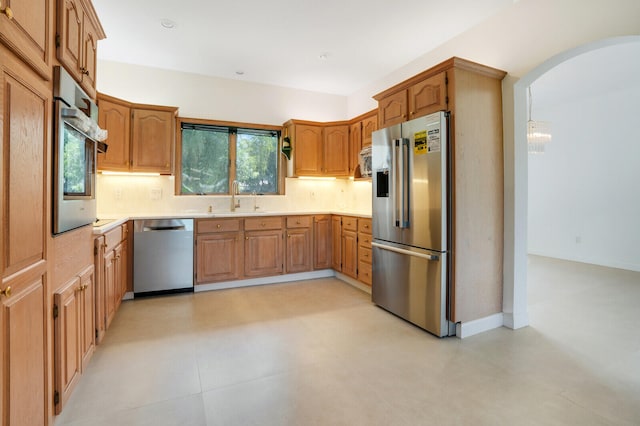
[235, 191]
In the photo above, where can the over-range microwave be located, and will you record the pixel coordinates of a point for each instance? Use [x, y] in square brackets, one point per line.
[77, 139]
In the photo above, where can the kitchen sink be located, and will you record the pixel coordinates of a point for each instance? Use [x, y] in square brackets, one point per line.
[101, 222]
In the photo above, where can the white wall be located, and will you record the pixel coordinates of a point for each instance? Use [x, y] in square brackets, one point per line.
[213, 98]
[584, 203]
[154, 195]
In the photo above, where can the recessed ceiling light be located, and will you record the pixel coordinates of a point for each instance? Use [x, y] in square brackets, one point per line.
[168, 23]
[239, 72]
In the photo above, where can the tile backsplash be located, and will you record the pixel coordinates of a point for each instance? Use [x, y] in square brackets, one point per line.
[129, 195]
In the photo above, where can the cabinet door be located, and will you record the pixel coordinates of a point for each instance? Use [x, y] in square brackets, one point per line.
[307, 150]
[263, 253]
[118, 272]
[350, 253]
[109, 287]
[116, 119]
[393, 109]
[336, 151]
[25, 108]
[298, 250]
[336, 243]
[219, 257]
[23, 340]
[69, 37]
[152, 140]
[322, 242]
[428, 96]
[89, 57]
[87, 312]
[355, 145]
[100, 287]
[28, 32]
[68, 337]
[369, 125]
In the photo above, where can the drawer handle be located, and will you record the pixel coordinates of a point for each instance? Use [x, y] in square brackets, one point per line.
[6, 292]
[366, 227]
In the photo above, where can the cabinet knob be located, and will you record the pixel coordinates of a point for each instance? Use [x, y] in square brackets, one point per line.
[6, 292]
[7, 11]
[166, 164]
[218, 226]
[262, 224]
[246, 238]
[288, 235]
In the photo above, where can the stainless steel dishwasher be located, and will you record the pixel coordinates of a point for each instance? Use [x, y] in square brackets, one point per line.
[162, 256]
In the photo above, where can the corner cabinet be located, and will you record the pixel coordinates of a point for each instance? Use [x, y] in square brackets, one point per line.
[25, 135]
[78, 32]
[322, 242]
[141, 137]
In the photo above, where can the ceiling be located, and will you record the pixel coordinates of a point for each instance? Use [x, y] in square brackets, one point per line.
[330, 46]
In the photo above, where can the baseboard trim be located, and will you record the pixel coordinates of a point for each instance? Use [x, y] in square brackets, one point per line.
[471, 328]
[276, 279]
[355, 283]
[515, 322]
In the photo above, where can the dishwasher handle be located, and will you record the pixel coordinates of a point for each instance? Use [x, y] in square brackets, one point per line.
[150, 225]
[164, 228]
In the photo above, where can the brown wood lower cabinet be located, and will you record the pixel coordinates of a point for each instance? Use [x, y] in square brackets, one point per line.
[219, 257]
[349, 246]
[263, 252]
[110, 260]
[322, 242]
[298, 244]
[351, 238]
[74, 333]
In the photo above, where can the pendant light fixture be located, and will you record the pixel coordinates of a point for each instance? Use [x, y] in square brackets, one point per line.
[538, 132]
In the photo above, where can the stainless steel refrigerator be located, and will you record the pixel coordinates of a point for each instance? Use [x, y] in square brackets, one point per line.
[410, 221]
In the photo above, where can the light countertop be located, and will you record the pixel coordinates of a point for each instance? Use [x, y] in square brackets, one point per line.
[109, 222]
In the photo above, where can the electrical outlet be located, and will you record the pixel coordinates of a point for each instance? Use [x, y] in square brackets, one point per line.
[118, 194]
[156, 193]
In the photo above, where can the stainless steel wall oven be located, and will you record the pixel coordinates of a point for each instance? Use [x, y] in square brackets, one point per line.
[77, 139]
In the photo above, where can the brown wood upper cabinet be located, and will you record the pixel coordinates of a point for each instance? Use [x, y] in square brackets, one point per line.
[329, 149]
[141, 137]
[420, 98]
[336, 150]
[307, 148]
[78, 32]
[25, 29]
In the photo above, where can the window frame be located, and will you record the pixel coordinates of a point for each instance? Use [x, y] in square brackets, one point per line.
[232, 153]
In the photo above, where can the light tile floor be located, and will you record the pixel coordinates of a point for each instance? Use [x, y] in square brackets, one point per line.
[319, 353]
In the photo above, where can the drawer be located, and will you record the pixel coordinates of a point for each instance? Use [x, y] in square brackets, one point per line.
[364, 240]
[112, 238]
[364, 254]
[364, 226]
[298, 221]
[349, 223]
[364, 272]
[260, 223]
[205, 226]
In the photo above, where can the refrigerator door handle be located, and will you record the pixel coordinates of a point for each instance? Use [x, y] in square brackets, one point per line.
[395, 179]
[404, 167]
[403, 251]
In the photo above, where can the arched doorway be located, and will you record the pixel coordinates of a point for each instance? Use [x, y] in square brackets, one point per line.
[516, 184]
